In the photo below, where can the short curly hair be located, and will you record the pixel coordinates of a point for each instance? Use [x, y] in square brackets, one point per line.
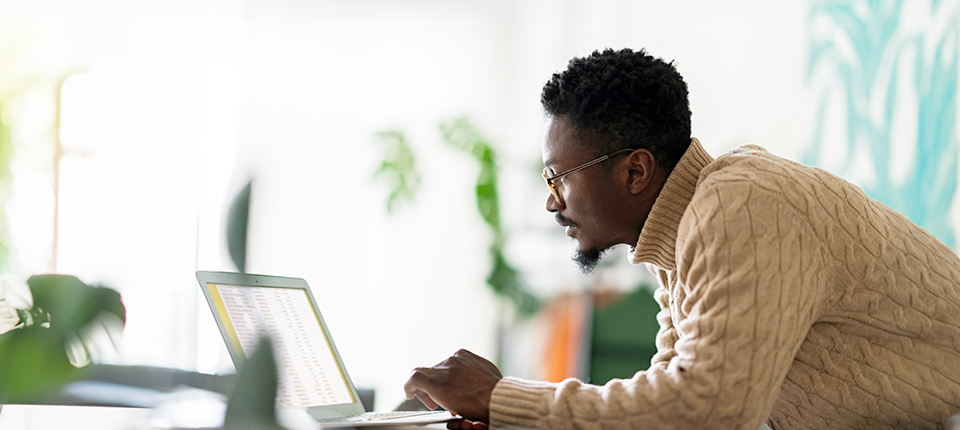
[624, 99]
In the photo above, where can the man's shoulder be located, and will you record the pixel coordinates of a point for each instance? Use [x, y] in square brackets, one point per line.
[749, 157]
[750, 175]
[752, 166]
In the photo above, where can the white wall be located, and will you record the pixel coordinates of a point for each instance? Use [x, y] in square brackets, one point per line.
[320, 78]
[292, 93]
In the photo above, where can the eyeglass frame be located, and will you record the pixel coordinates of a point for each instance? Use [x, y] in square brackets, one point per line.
[553, 187]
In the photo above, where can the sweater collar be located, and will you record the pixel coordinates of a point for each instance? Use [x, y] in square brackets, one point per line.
[658, 238]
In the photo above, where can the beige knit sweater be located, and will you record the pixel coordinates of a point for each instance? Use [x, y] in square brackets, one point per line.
[789, 297]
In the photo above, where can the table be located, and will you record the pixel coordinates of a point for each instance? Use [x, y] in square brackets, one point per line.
[29, 417]
[44, 417]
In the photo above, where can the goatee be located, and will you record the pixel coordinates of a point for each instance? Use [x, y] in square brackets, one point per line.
[587, 260]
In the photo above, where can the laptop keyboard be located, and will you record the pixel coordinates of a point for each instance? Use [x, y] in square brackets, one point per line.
[374, 416]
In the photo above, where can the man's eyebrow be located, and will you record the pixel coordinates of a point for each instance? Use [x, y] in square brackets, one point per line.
[548, 162]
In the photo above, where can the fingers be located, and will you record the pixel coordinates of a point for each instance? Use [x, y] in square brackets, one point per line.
[416, 380]
[427, 400]
[415, 387]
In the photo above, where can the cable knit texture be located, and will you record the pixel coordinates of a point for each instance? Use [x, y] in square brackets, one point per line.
[788, 297]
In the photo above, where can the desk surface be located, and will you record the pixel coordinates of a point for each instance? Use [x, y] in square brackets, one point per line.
[28, 417]
[43, 417]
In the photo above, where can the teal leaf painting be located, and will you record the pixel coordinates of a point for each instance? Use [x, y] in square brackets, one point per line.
[875, 62]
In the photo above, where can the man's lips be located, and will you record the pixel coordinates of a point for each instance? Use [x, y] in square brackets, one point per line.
[566, 222]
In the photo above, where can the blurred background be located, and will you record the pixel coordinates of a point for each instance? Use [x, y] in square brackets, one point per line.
[388, 151]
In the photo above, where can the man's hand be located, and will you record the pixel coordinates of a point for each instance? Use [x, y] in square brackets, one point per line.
[462, 384]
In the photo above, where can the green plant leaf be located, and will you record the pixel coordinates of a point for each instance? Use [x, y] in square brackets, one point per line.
[33, 359]
[505, 280]
[252, 404]
[71, 303]
[33, 364]
[398, 168]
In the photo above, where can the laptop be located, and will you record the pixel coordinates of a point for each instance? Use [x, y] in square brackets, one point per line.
[311, 374]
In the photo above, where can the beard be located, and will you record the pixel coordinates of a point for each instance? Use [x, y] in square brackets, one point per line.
[588, 260]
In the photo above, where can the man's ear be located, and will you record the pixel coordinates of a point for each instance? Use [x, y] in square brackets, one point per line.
[640, 167]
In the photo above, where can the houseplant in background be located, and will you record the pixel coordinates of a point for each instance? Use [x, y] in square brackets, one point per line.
[51, 327]
[400, 169]
[505, 279]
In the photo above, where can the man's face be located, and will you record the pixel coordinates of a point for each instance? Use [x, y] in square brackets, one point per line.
[589, 210]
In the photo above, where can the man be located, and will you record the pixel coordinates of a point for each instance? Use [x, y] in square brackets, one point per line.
[789, 297]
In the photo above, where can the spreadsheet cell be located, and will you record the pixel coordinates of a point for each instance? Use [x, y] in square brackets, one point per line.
[308, 371]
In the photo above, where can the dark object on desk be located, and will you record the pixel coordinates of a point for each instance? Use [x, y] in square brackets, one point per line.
[413, 404]
[367, 397]
[161, 378]
[147, 386]
[135, 386]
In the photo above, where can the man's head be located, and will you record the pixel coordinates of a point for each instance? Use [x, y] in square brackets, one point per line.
[625, 104]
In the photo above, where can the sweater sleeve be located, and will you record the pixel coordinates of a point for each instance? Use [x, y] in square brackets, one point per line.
[751, 271]
[667, 335]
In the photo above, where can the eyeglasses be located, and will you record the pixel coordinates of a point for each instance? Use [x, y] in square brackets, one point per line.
[550, 179]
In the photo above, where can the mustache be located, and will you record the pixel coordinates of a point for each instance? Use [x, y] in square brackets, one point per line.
[564, 221]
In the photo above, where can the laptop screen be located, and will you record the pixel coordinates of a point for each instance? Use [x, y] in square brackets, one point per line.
[309, 372]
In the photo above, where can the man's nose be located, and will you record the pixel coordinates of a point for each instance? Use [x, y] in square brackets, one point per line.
[552, 204]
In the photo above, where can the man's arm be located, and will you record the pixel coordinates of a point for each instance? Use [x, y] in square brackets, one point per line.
[667, 335]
